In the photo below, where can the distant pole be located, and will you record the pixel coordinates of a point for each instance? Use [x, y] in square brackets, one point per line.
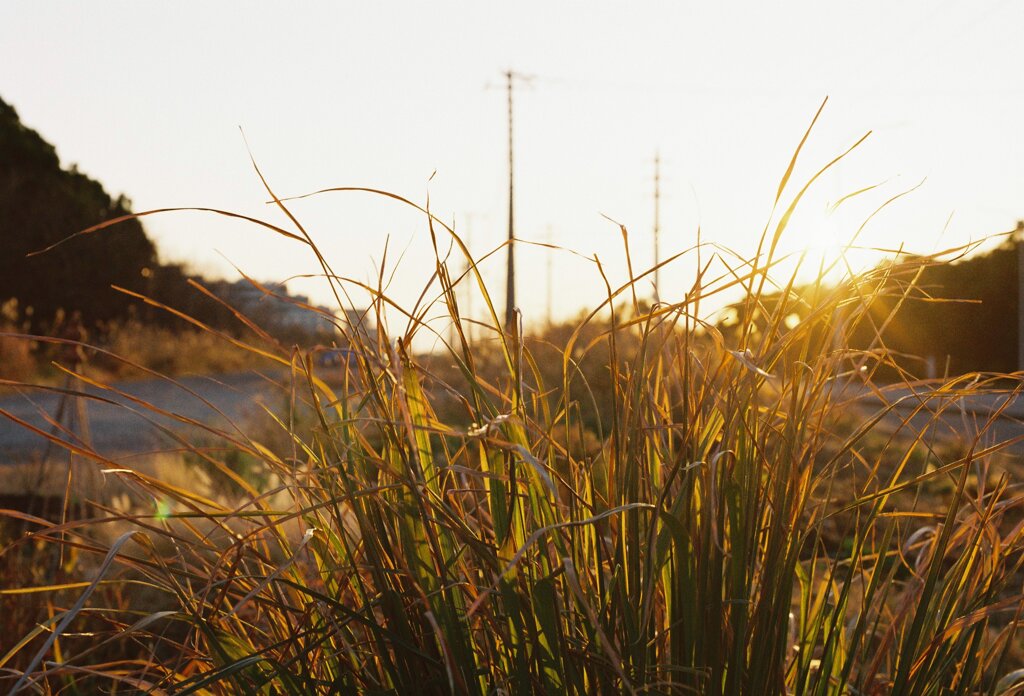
[550, 279]
[465, 314]
[1019, 238]
[510, 288]
[657, 222]
[469, 279]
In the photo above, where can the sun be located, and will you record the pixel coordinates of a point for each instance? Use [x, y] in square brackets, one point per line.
[825, 243]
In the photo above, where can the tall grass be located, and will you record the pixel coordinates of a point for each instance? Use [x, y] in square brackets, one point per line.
[650, 504]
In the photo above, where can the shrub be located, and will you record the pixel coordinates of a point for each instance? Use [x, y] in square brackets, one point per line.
[16, 361]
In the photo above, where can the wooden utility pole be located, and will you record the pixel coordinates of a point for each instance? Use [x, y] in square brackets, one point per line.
[550, 253]
[1019, 238]
[657, 222]
[510, 280]
[467, 240]
[465, 316]
[510, 289]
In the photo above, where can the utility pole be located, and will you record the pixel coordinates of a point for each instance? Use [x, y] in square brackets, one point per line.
[657, 222]
[510, 278]
[466, 290]
[1019, 238]
[550, 279]
[510, 288]
[469, 278]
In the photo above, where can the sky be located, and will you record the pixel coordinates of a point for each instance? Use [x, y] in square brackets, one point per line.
[164, 102]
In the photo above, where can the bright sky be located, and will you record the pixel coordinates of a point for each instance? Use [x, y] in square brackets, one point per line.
[148, 97]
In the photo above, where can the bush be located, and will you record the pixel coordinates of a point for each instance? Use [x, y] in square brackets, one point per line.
[16, 361]
[170, 351]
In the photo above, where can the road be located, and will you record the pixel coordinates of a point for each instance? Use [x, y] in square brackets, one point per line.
[119, 425]
[125, 426]
[981, 419]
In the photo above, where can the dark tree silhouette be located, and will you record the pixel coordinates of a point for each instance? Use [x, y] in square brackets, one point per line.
[954, 317]
[962, 315]
[42, 203]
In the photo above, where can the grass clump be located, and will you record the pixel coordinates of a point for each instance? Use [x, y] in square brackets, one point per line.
[15, 355]
[648, 503]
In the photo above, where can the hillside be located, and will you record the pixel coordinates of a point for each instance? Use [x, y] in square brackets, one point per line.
[42, 203]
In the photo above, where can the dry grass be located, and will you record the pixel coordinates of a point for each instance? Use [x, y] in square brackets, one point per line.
[660, 507]
[16, 362]
[173, 352]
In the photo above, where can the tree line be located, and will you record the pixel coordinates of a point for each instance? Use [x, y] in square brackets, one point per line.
[910, 316]
[958, 317]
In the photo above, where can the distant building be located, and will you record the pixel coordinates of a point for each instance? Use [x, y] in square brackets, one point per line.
[278, 311]
[360, 322]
